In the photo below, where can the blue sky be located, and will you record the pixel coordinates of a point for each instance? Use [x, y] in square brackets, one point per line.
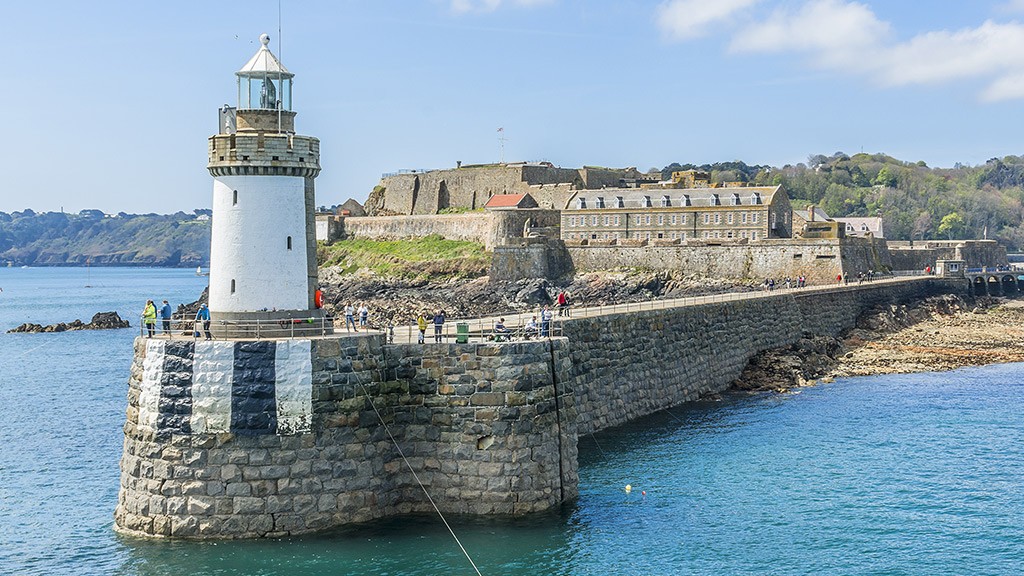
[109, 104]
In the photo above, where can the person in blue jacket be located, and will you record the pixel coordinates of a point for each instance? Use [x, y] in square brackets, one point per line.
[438, 325]
[203, 315]
[165, 317]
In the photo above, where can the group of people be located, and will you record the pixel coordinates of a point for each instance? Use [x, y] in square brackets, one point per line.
[437, 320]
[350, 317]
[771, 284]
[165, 313]
[529, 330]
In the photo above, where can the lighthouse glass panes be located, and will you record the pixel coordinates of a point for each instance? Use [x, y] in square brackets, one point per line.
[264, 91]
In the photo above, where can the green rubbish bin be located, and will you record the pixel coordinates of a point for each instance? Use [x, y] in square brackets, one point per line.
[461, 332]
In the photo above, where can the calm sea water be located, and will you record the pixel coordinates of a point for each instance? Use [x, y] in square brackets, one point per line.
[919, 474]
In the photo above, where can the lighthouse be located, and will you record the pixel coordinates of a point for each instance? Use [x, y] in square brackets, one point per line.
[263, 271]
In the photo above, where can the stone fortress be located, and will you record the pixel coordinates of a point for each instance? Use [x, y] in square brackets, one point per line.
[593, 219]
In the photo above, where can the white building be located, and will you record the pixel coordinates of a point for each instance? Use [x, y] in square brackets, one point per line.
[263, 250]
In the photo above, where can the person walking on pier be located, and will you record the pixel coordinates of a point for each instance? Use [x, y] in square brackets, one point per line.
[165, 317]
[203, 315]
[350, 322]
[545, 322]
[149, 317]
[421, 323]
[364, 315]
[438, 325]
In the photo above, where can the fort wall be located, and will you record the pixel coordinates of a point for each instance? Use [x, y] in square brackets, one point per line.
[819, 260]
[976, 253]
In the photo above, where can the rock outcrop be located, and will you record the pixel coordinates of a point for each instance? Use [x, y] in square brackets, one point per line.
[100, 321]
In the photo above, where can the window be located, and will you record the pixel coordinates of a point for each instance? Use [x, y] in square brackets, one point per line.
[648, 219]
[686, 200]
[234, 197]
[606, 220]
[715, 200]
[735, 199]
[232, 285]
[753, 235]
[675, 219]
[572, 221]
[707, 218]
[757, 198]
[718, 218]
[638, 220]
[289, 242]
[743, 218]
[600, 202]
[581, 203]
[754, 217]
[647, 201]
[617, 221]
[593, 220]
[619, 202]
[665, 201]
[682, 219]
[682, 236]
[729, 235]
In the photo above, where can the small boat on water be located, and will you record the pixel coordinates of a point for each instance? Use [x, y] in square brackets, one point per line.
[199, 271]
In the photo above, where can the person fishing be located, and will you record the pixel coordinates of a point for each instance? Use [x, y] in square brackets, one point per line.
[149, 318]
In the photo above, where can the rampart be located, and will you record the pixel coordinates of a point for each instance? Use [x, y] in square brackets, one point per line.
[819, 260]
[922, 254]
[273, 438]
[488, 228]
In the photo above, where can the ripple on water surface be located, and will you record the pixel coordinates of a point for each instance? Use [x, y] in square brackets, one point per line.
[920, 474]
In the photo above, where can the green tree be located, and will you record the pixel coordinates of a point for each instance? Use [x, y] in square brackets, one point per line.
[951, 225]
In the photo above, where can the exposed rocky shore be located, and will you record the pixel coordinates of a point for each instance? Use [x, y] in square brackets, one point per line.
[398, 301]
[937, 334]
[100, 321]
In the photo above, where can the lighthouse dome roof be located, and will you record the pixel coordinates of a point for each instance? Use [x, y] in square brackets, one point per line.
[264, 62]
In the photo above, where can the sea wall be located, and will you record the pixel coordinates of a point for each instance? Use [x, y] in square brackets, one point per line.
[255, 439]
[629, 365]
[274, 438]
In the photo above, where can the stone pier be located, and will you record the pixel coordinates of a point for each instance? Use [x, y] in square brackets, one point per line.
[270, 438]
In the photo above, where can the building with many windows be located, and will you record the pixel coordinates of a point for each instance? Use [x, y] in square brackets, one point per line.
[706, 214]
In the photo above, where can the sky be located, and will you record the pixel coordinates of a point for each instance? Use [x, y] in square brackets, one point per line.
[109, 103]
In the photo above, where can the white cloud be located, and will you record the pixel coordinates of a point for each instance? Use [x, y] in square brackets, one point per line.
[685, 19]
[1011, 6]
[832, 32]
[463, 6]
[848, 37]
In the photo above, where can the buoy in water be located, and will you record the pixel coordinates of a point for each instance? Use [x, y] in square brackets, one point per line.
[629, 488]
[643, 492]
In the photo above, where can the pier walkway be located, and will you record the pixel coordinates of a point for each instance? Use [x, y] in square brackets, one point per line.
[483, 329]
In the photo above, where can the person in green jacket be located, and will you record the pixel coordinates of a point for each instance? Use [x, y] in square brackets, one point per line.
[421, 323]
[149, 317]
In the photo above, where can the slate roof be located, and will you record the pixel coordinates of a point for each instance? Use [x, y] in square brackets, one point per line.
[606, 198]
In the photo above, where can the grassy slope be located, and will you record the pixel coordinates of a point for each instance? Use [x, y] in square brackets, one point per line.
[428, 258]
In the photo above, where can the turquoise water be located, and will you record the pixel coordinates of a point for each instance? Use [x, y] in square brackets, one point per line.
[920, 474]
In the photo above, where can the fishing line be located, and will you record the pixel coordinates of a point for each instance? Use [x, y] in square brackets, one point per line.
[416, 476]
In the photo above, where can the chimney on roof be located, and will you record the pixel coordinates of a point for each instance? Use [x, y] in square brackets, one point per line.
[810, 213]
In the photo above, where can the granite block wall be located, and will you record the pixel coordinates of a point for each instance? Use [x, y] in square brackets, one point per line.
[273, 438]
[625, 366]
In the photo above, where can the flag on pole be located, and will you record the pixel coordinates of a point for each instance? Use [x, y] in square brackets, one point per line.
[502, 129]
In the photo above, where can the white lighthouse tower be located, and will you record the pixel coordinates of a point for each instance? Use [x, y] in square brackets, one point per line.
[263, 248]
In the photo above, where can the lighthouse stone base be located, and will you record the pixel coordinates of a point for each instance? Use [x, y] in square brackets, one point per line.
[254, 439]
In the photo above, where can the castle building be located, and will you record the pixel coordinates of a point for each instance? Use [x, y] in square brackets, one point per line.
[707, 214]
[263, 247]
